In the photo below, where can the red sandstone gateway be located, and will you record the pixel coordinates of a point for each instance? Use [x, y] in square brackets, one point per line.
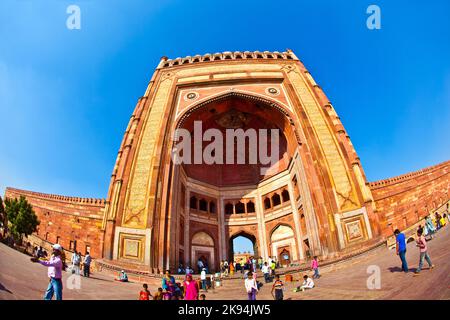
[314, 201]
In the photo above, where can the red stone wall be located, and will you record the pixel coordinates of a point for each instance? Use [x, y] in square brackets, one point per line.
[402, 201]
[69, 218]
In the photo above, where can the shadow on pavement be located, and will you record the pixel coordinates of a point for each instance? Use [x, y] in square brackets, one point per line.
[3, 288]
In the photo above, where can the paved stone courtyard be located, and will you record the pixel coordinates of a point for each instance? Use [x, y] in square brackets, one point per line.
[21, 279]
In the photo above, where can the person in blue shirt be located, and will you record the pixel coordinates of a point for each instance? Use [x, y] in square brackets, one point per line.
[400, 247]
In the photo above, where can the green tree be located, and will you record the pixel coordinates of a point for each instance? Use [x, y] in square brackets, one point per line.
[3, 220]
[21, 217]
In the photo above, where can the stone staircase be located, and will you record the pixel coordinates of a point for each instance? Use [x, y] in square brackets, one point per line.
[146, 274]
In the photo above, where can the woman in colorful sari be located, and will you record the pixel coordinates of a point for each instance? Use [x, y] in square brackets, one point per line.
[231, 268]
[168, 285]
[190, 288]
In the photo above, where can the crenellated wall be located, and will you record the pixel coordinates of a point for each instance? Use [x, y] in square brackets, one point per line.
[403, 200]
[69, 218]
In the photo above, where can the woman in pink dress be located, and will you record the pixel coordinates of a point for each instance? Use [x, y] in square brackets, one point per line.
[190, 288]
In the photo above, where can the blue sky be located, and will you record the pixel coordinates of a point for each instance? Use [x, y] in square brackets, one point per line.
[66, 95]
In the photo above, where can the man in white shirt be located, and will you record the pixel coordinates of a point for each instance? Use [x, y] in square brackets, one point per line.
[203, 279]
[266, 271]
[308, 283]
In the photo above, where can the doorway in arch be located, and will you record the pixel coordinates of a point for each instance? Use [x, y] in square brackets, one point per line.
[242, 246]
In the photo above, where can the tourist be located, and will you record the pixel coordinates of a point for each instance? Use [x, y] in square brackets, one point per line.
[145, 294]
[159, 295]
[266, 272]
[179, 291]
[315, 267]
[251, 286]
[87, 265]
[260, 263]
[76, 261]
[254, 264]
[55, 267]
[123, 277]
[442, 221]
[189, 270]
[308, 283]
[437, 218]
[203, 279]
[200, 265]
[422, 245]
[400, 248]
[277, 288]
[429, 226]
[190, 288]
[232, 268]
[168, 284]
[181, 269]
[226, 267]
[273, 265]
[255, 276]
[211, 281]
[202, 297]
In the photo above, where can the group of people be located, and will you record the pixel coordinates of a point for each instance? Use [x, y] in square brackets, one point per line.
[251, 264]
[252, 286]
[56, 265]
[423, 233]
[172, 290]
[79, 263]
[202, 264]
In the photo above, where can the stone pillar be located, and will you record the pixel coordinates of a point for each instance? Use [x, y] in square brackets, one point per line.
[298, 234]
[261, 228]
[187, 240]
[221, 230]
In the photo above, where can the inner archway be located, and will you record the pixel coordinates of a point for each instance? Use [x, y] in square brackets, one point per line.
[242, 246]
[230, 189]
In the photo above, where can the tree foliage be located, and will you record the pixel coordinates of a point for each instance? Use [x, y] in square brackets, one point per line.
[2, 214]
[21, 217]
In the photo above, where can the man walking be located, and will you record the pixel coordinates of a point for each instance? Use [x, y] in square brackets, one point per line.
[422, 244]
[400, 247]
[55, 267]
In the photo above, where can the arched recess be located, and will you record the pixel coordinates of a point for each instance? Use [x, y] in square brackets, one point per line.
[244, 234]
[283, 245]
[203, 248]
[286, 120]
